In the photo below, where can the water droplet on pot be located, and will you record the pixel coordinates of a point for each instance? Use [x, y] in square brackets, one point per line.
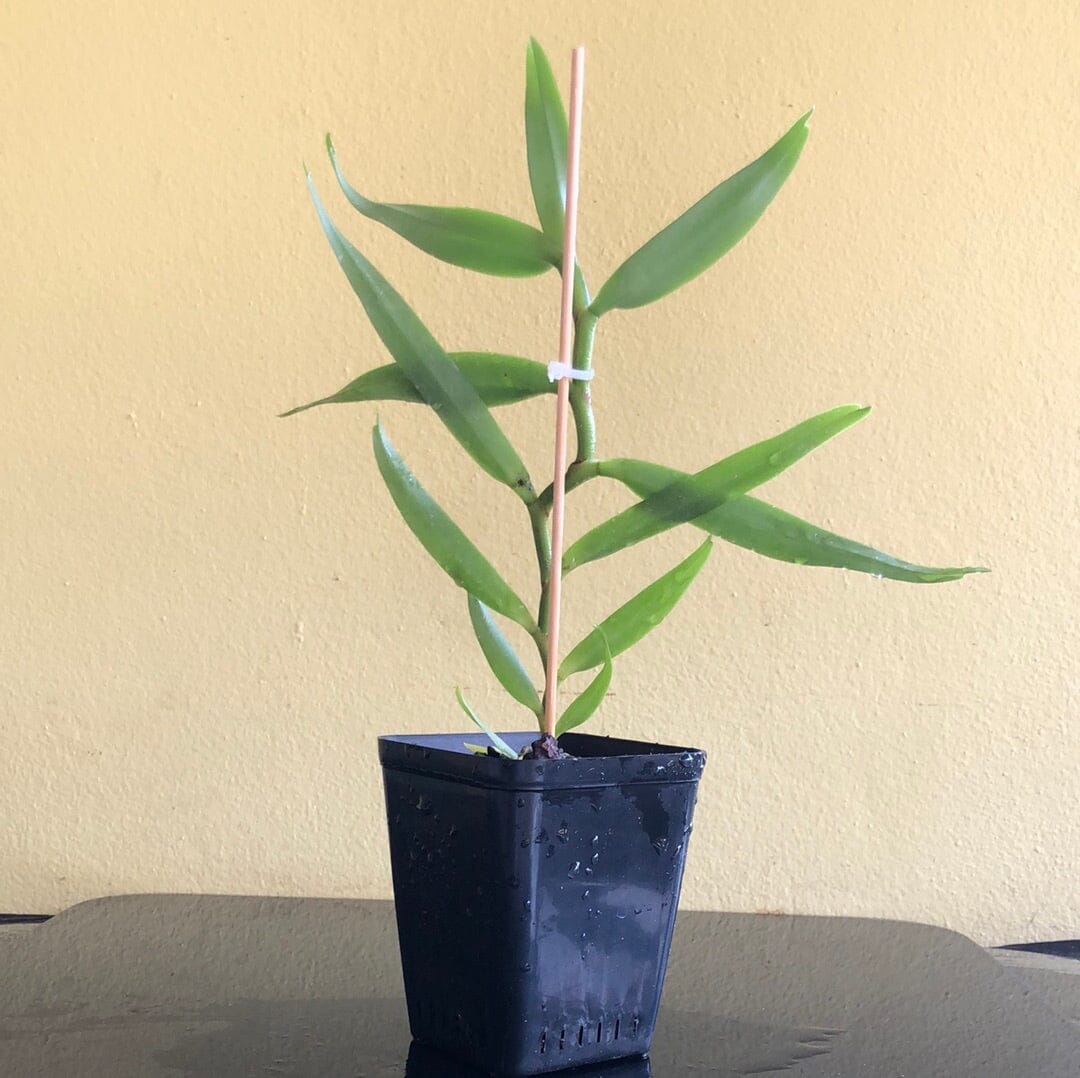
[541, 836]
[550, 852]
[521, 802]
[585, 893]
[527, 905]
[525, 967]
[563, 834]
[575, 868]
[660, 845]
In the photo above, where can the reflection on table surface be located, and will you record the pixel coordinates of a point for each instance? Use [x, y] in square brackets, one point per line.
[209, 985]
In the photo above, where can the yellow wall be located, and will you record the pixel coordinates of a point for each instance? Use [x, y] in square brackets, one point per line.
[209, 613]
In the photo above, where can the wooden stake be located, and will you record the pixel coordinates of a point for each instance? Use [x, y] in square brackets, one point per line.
[562, 399]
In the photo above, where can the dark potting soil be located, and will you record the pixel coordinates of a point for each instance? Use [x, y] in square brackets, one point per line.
[545, 748]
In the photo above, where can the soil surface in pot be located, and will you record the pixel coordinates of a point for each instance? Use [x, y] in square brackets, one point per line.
[545, 748]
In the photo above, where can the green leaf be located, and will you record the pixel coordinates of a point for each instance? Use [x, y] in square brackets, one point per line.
[443, 539]
[427, 366]
[475, 239]
[501, 747]
[755, 525]
[637, 617]
[480, 750]
[504, 663]
[582, 708]
[709, 229]
[546, 140]
[693, 495]
[498, 379]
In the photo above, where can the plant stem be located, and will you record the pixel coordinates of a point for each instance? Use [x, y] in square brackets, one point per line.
[581, 469]
[580, 394]
[578, 472]
[540, 517]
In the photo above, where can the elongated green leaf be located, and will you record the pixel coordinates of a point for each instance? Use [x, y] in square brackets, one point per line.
[502, 659]
[498, 379]
[545, 140]
[501, 747]
[443, 539]
[755, 525]
[705, 232]
[427, 366]
[637, 617]
[475, 239]
[691, 496]
[583, 707]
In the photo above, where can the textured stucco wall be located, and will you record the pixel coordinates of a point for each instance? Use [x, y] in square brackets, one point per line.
[208, 614]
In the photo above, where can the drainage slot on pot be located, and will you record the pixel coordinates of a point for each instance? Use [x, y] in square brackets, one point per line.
[587, 1034]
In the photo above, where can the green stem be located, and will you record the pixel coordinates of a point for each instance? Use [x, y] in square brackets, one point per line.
[577, 472]
[540, 517]
[580, 393]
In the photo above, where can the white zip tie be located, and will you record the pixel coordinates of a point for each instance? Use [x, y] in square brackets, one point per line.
[557, 370]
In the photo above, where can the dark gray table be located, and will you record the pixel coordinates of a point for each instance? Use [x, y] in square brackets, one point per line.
[153, 985]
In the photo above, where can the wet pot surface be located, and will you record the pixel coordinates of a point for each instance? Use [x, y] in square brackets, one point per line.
[536, 899]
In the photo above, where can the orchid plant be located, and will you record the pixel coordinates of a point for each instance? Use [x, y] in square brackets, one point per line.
[462, 388]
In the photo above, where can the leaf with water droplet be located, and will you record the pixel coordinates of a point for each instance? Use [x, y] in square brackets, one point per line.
[426, 365]
[635, 618]
[692, 496]
[502, 659]
[443, 539]
[581, 709]
[755, 525]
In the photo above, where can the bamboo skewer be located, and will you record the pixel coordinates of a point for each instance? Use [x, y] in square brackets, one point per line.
[562, 399]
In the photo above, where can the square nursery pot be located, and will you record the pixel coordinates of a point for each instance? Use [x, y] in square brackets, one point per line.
[535, 899]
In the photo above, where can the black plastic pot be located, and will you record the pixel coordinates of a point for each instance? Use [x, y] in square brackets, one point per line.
[535, 899]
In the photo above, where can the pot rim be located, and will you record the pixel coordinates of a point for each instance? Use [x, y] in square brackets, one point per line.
[597, 761]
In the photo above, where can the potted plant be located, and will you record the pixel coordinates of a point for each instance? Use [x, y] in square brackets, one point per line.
[536, 879]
